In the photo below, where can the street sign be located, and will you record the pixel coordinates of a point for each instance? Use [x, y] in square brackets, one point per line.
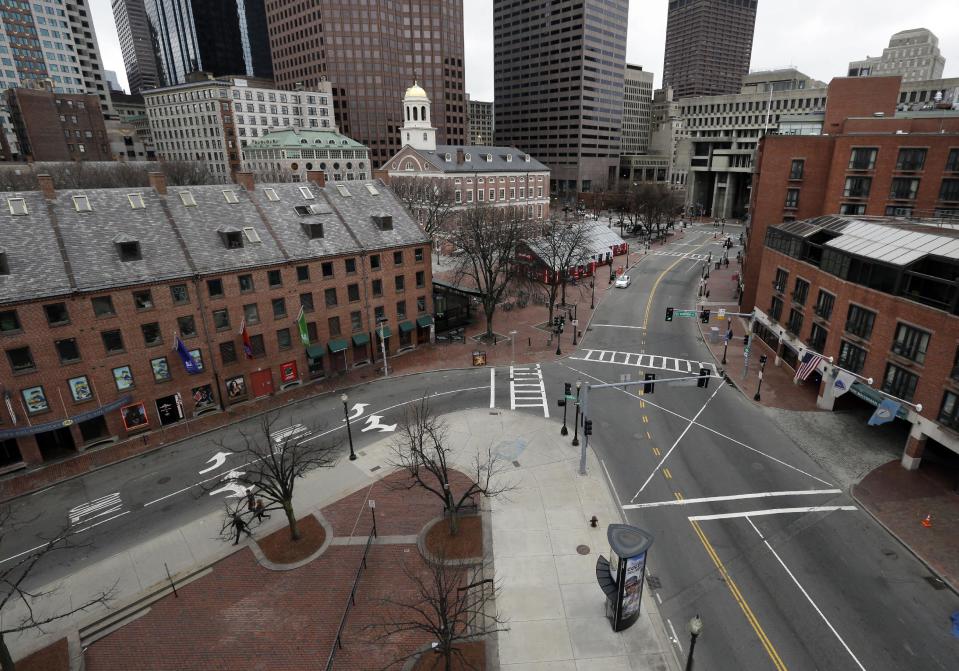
[685, 313]
[570, 398]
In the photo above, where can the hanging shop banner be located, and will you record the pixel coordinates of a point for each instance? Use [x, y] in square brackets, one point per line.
[170, 409]
[288, 372]
[134, 416]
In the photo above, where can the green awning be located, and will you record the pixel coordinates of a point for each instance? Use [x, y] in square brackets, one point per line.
[337, 346]
[360, 339]
[424, 321]
[384, 332]
[315, 351]
[406, 327]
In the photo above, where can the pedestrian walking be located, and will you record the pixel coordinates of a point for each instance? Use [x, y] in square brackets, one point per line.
[240, 525]
[260, 511]
[250, 500]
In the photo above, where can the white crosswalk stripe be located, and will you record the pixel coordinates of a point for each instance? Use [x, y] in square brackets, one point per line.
[104, 505]
[527, 389]
[653, 361]
[682, 255]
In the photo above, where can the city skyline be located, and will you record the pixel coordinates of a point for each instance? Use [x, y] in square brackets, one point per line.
[649, 20]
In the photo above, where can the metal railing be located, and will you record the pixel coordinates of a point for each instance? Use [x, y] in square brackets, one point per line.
[338, 642]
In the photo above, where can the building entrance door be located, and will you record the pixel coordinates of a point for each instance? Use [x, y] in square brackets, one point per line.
[262, 383]
[56, 444]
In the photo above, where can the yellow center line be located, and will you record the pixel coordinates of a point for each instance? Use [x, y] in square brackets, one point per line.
[679, 496]
[737, 595]
[652, 292]
[648, 437]
[656, 451]
[667, 474]
[642, 403]
[645, 419]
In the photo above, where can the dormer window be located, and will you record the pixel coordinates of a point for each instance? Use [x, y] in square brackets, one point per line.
[82, 204]
[313, 229]
[469, 157]
[372, 189]
[187, 199]
[4, 263]
[129, 250]
[383, 221]
[230, 197]
[232, 238]
[307, 194]
[271, 195]
[304, 210]
[489, 158]
[136, 201]
[526, 158]
[251, 234]
[509, 158]
[344, 191]
[17, 206]
[449, 157]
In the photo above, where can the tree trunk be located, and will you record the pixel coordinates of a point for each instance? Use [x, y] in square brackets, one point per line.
[291, 520]
[563, 287]
[6, 660]
[489, 310]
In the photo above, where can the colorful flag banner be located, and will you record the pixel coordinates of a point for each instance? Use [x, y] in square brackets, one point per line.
[843, 382]
[808, 364]
[301, 327]
[188, 361]
[886, 412]
[245, 337]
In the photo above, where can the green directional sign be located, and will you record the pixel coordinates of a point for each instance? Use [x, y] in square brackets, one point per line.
[685, 313]
[570, 398]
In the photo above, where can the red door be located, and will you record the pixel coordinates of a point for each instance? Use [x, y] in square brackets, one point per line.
[262, 383]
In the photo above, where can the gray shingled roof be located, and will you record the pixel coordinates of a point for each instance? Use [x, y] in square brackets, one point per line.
[37, 267]
[478, 162]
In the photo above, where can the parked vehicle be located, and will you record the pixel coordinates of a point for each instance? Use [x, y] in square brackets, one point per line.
[622, 282]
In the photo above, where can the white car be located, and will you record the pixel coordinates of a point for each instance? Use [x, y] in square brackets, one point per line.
[622, 282]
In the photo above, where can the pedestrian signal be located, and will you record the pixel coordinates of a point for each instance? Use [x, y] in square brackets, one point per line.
[648, 386]
[704, 316]
[669, 314]
[703, 380]
[588, 427]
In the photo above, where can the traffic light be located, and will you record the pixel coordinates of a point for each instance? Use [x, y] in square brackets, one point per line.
[561, 402]
[703, 380]
[704, 316]
[588, 427]
[567, 389]
[648, 385]
[762, 359]
[669, 314]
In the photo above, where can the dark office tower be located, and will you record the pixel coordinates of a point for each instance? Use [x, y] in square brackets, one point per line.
[708, 46]
[222, 37]
[133, 29]
[371, 53]
[558, 78]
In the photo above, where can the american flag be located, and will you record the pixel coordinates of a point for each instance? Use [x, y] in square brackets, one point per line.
[808, 364]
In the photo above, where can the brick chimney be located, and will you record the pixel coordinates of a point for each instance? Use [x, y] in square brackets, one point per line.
[158, 182]
[244, 178]
[45, 182]
[318, 177]
[383, 175]
[460, 157]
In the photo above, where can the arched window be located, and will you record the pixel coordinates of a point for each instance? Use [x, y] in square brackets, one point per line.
[407, 113]
[423, 113]
[414, 115]
[424, 137]
[409, 165]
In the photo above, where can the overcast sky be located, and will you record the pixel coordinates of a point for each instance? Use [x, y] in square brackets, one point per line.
[817, 36]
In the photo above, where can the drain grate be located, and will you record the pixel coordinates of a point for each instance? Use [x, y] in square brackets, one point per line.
[516, 463]
[935, 582]
[375, 468]
[582, 549]
[653, 581]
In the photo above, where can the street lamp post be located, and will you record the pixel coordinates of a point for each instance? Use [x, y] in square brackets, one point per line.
[576, 422]
[762, 366]
[575, 321]
[695, 629]
[559, 336]
[386, 366]
[349, 432]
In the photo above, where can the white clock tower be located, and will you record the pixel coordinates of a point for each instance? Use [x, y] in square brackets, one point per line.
[417, 130]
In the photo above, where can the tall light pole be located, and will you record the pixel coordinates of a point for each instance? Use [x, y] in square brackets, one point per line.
[592, 297]
[349, 432]
[575, 321]
[576, 423]
[695, 629]
[386, 366]
[762, 366]
[559, 337]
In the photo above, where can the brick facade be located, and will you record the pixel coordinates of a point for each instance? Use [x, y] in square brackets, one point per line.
[58, 126]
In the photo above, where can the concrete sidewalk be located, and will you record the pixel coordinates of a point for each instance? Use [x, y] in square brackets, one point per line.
[544, 551]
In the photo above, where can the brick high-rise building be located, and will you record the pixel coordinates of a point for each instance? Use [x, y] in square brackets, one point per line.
[58, 126]
[371, 60]
[709, 44]
[136, 45]
[558, 77]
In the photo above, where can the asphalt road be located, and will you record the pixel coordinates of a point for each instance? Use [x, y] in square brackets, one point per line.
[825, 588]
[817, 589]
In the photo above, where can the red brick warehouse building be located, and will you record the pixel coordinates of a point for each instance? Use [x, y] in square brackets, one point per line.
[875, 285]
[97, 285]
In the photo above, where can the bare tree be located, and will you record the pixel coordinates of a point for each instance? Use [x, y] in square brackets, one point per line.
[187, 173]
[451, 604]
[564, 245]
[13, 588]
[489, 238]
[278, 455]
[420, 448]
[17, 178]
[430, 200]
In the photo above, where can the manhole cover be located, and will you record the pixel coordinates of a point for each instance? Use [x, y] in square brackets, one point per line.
[582, 549]
[162, 481]
[935, 582]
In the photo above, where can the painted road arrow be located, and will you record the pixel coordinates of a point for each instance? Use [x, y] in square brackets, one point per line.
[373, 422]
[357, 410]
[218, 460]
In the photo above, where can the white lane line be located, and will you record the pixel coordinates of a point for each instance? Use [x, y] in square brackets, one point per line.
[688, 427]
[771, 511]
[734, 497]
[617, 326]
[20, 554]
[709, 428]
[492, 387]
[675, 637]
[808, 598]
[126, 512]
[609, 479]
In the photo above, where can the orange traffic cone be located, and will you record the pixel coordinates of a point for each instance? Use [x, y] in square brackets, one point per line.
[927, 521]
